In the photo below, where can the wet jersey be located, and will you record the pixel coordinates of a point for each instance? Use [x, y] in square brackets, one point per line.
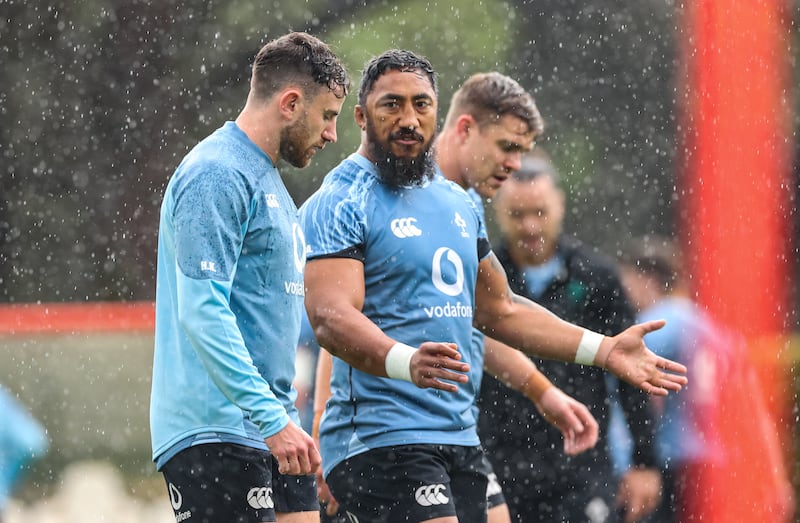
[228, 300]
[420, 247]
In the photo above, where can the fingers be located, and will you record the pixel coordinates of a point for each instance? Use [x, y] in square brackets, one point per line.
[325, 497]
[332, 507]
[662, 383]
[569, 443]
[294, 450]
[591, 430]
[586, 437]
[438, 366]
[672, 366]
[296, 465]
[649, 326]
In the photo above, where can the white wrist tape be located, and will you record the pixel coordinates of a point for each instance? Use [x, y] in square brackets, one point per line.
[588, 347]
[398, 361]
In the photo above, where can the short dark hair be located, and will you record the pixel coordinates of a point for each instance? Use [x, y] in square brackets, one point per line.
[534, 165]
[490, 96]
[298, 58]
[393, 60]
[656, 256]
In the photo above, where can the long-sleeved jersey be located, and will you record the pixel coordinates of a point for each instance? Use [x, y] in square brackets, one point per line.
[229, 298]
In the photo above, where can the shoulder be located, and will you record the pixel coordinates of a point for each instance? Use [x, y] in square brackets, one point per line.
[347, 186]
[224, 161]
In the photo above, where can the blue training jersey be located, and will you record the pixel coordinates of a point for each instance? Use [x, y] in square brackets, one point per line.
[421, 247]
[229, 298]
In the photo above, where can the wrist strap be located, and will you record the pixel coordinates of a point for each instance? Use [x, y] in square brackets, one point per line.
[536, 384]
[588, 347]
[398, 361]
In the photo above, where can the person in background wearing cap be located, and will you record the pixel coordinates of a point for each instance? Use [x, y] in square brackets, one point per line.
[577, 284]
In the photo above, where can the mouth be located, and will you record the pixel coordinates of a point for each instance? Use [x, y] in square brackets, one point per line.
[499, 179]
[407, 139]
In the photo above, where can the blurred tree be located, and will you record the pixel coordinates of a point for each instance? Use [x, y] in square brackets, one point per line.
[101, 99]
[604, 77]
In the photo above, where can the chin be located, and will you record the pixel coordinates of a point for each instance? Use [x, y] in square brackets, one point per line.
[486, 192]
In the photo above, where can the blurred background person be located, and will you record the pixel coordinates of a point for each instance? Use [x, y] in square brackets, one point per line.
[577, 284]
[691, 448]
[22, 440]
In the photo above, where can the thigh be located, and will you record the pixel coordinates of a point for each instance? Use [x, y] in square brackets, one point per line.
[220, 483]
[470, 471]
[293, 494]
[494, 492]
[408, 483]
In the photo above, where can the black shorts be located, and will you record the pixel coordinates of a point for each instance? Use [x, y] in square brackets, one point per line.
[225, 482]
[411, 483]
[494, 492]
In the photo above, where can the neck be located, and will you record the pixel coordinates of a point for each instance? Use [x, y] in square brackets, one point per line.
[255, 123]
[447, 159]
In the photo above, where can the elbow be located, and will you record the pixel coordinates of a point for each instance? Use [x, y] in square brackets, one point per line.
[323, 321]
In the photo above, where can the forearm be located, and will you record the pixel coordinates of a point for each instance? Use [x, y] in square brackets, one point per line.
[514, 370]
[531, 328]
[210, 325]
[527, 326]
[349, 335]
[322, 389]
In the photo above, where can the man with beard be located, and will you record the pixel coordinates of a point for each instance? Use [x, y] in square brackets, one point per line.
[491, 122]
[229, 298]
[399, 270]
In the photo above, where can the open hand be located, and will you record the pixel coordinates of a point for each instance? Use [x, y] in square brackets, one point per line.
[631, 360]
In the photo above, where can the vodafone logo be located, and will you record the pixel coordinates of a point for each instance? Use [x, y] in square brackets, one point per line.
[454, 260]
[405, 228]
[428, 495]
[299, 247]
[260, 497]
[175, 498]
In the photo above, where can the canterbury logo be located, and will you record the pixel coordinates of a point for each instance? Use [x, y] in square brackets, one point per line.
[405, 228]
[493, 488]
[428, 495]
[260, 497]
[272, 200]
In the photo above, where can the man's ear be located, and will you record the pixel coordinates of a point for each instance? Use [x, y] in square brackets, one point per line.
[289, 102]
[465, 124]
[360, 117]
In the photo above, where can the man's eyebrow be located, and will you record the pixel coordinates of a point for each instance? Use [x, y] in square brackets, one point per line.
[513, 146]
[394, 96]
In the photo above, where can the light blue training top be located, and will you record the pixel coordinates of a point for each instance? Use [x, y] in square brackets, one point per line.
[421, 247]
[229, 298]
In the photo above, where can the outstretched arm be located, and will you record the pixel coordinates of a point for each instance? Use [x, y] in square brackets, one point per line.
[334, 299]
[571, 417]
[523, 324]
